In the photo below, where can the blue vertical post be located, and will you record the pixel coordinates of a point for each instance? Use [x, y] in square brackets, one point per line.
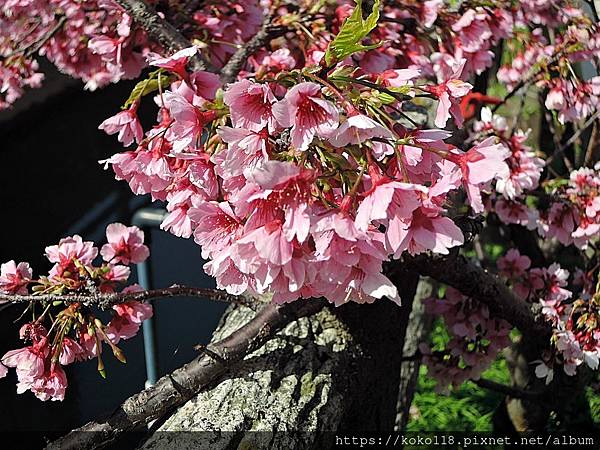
[146, 219]
[148, 328]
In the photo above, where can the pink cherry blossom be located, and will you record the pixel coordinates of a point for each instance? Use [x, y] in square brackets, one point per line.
[307, 113]
[89, 344]
[389, 200]
[516, 212]
[449, 93]
[116, 274]
[250, 105]
[560, 223]
[513, 264]
[358, 129]
[425, 230]
[480, 165]
[29, 363]
[71, 351]
[178, 222]
[52, 385]
[68, 250]
[246, 149]
[14, 278]
[188, 121]
[473, 30]
[125, 245]
[127, 320]
[524, 166]
[217, 226]
[127, 124]
[429, 12]
[270, 243]
[175, 63]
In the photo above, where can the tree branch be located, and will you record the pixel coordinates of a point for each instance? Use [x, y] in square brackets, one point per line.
[510, 391]
[105, 301]
[159, 29]
[230, 71]
[176, 388]
[472, 280]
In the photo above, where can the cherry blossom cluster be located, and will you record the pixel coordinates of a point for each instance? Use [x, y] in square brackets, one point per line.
[97, 42]
[291, 187]
[575, 333]
[310, 170]
[94, 41]
[574, 214]
[565, 209]
[523, 176]
[475, 340]
[569, 210]
[62, 333]
[549, 65]
[278, 173]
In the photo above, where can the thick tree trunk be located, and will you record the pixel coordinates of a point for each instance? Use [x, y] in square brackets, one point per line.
[566, 396]
[419, 326]
[335, 371]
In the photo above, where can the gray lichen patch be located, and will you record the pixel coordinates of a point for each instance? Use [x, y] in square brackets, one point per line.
[291, 383]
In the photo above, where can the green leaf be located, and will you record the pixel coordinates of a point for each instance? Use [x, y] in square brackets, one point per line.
[352, 32]
[155, 80]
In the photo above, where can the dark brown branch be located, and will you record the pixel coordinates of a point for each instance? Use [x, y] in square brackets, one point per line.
[178, 387]
[185, 14]
[230, 71]
[559, 151]
[191, 6]
[471, 280]
[159, 29]
[510, 391]
[36, 46]
[105, 301]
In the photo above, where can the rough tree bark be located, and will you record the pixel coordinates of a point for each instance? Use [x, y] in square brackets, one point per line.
[336, 371]
[419, 325]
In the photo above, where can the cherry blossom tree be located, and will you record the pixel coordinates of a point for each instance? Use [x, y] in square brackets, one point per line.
[325, 157]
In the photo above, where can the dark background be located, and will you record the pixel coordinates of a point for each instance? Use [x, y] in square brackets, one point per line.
[51, 186]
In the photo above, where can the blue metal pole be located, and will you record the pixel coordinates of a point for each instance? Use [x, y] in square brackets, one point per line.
[147, 218]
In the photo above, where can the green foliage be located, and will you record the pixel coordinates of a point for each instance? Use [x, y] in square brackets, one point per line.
[469, 408]
[594, 401]
[156, 80]
[494, 250]
[352, 32]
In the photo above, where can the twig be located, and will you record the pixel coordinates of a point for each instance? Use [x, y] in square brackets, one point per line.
[105, 301]
[33, 47]
[592, 145]
[510, 391]
[473, 281]
[160, 30]
[39, 44]
[575, 136]
[230, 71]
[184, 15]
[508, 96]
[181, 385]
